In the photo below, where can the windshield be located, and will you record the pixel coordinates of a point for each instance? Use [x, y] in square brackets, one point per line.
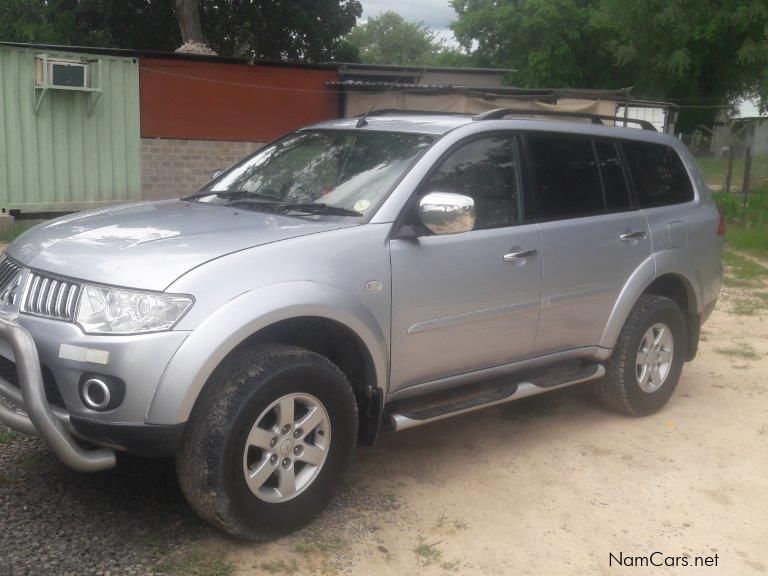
[333, 172]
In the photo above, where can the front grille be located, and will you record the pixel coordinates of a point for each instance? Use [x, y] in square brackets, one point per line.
[8, 272]
[50, 297]
[9, 374]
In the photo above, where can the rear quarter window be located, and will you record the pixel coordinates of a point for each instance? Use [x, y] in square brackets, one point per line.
[658, 174]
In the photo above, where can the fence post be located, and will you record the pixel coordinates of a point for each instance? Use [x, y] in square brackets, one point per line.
[745, 185]
[729, 173]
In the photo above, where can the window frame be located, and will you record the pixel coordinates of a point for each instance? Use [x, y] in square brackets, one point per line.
[592, 139]
[402, 227]
[628, 171]
[616, 142]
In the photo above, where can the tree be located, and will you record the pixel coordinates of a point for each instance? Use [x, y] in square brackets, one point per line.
[694, 52]
[390, 39]
[310, 30]
[188, 15]
[142, 24]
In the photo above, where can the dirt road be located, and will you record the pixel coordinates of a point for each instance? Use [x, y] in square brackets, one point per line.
[555, 484]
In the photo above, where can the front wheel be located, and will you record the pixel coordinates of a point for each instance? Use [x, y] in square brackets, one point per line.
[646, 363]
[268, 441]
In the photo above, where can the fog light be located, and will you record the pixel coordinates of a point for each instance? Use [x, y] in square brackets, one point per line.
[101, 392]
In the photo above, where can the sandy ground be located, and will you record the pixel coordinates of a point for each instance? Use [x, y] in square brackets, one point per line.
[554, 484]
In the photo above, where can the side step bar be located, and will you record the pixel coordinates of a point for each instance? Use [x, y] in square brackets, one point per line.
[417, 411]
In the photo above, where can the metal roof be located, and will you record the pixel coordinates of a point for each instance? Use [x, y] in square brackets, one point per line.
[506, 91]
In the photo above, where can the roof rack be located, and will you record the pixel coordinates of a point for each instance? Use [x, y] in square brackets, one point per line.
[500, 113]
[386, 111]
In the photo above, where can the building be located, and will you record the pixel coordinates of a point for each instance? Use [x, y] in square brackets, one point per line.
[86, 127]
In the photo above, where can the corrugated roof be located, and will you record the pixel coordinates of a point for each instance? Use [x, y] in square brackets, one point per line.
[506, 91]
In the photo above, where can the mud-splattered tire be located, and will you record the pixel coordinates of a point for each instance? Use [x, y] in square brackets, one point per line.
[237, 449]
[646, 363]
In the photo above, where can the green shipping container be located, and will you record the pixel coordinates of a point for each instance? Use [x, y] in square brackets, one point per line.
[68, 147]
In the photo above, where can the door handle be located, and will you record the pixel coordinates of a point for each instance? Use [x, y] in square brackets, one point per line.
[639, 235]
[515, 256]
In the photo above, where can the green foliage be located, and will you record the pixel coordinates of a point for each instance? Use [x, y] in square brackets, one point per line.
[286, 30]
[196, 563]
[289, 29]
[731, 205]
[142, 24]
[390, 39]
[708, 50]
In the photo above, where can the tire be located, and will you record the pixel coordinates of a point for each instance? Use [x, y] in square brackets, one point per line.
[623, 388]
[212, 462]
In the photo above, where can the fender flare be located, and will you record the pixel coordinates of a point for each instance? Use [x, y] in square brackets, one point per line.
[653, 267]
[206, 346]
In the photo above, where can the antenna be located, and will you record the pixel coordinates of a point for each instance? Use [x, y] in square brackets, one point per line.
[363, 121]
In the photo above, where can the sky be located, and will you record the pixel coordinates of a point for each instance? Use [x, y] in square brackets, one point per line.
[436, 14]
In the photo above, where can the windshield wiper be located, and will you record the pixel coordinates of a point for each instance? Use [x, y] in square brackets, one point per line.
[318, 208]
[236, 195]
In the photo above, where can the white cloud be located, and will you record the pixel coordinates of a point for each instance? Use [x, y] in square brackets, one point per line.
[435, 14]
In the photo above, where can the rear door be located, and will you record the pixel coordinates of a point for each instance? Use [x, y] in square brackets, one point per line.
[592, 236]
[457, 303]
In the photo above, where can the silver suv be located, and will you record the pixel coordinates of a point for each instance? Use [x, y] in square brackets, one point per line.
[379, 272]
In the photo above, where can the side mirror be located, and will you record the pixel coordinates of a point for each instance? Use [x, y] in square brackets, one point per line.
[447, 213]
[216, 173]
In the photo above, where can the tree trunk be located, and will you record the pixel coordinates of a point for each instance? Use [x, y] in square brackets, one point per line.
[188, 15]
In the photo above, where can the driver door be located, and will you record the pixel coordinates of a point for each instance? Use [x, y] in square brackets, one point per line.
[462, 302]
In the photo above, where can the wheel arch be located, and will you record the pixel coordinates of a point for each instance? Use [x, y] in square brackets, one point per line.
[279, 311]
[650, 278]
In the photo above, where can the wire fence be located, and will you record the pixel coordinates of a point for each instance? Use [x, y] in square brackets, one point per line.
[730, 165]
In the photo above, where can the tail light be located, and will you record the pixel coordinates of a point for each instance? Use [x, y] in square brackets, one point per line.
[721, 224]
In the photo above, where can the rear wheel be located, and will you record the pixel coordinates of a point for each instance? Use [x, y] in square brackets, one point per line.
[268, 441]
[648, 359]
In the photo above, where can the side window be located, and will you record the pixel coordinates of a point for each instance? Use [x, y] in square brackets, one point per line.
[487, 170]
[614, 182]
[658, 174]
[566, 176]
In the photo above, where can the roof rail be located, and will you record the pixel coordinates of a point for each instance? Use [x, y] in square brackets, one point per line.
[500, 113]
[386, 111]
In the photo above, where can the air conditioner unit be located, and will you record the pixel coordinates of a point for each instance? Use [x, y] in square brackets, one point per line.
[61, 73]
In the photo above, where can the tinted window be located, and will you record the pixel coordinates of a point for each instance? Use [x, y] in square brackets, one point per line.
[614, 182]
[566, 176]
[658, 174]
[487, 170]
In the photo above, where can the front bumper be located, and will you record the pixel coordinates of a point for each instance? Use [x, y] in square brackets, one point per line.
[32, 413]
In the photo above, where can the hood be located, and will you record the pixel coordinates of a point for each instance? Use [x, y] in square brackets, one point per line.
[148, 245]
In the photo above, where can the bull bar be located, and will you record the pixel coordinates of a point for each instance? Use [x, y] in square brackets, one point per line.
[33, 414]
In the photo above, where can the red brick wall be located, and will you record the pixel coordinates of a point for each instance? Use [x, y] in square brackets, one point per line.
[208, 100]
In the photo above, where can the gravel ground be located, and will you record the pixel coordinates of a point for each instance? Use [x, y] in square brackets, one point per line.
[56, 521]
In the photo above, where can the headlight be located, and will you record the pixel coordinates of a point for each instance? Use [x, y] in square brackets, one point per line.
[104, 310]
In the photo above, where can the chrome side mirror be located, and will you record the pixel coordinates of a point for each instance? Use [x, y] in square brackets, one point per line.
[447, 213]
[216, 173]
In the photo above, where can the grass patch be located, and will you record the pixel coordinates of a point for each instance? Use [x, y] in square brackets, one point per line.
[280, 567]
[754, 240]
[743, 269]
[197, 563]
[747, 307]
[715, 170]
[427, 553]
[8, 437]
[739, 350]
